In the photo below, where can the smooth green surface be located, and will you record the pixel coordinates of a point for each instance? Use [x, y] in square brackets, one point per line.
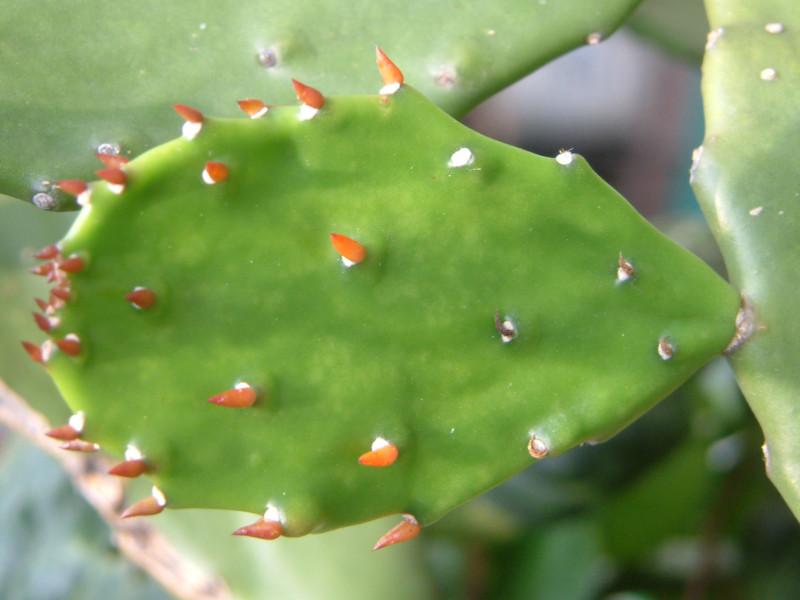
[403, 345]
[747, 181]
[80, 74]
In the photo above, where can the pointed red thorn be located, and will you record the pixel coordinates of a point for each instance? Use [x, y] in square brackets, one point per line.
[389, 71]
[215, 172]
[382, 454]
[141, 298]
[147, 507]
[75, 187]
[80, 446]
[189, 114]
[70, 344]
[129, 468]
[42, 304]
[116, 179]
[242, 396]
[112, 161]
[42, 322]
[61, 293]
[47, 253]
[74, 264]
[254, 108]
[261, 529]
[43, 269]
[194, 121]
[351, 250]
[408, 529]
[65, 433]
[308, 95]
[34, 351]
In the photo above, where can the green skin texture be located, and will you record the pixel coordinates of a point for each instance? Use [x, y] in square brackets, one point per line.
[402, 345]
[85, 73]
[749, 160]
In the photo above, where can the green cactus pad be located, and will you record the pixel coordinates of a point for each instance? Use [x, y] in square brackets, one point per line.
[746, 178]
[468, 243]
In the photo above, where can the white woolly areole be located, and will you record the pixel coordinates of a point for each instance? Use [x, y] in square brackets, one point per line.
[84, 197]
[207, 178]
[77, 421]
[769, 74]
[347, 262]
[272, 514]
[307, 112]
[564, 158]
[190, 130]
[47, 349]
[461, 158]
[379, 443]
[133, 453]
[161, 499]
[389, 88]
[508, 326]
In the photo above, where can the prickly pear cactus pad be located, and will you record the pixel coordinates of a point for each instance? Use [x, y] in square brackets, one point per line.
[746, 179]
[357, 307]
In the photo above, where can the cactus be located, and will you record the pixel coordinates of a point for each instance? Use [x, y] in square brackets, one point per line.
[358, 307]
[745, 178]
[135, 59]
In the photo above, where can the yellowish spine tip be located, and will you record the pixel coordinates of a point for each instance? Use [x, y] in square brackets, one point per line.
[382, 454]
[350, 250]
[408, 529]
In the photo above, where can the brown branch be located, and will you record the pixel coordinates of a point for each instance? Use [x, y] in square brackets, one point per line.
[136, 539]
